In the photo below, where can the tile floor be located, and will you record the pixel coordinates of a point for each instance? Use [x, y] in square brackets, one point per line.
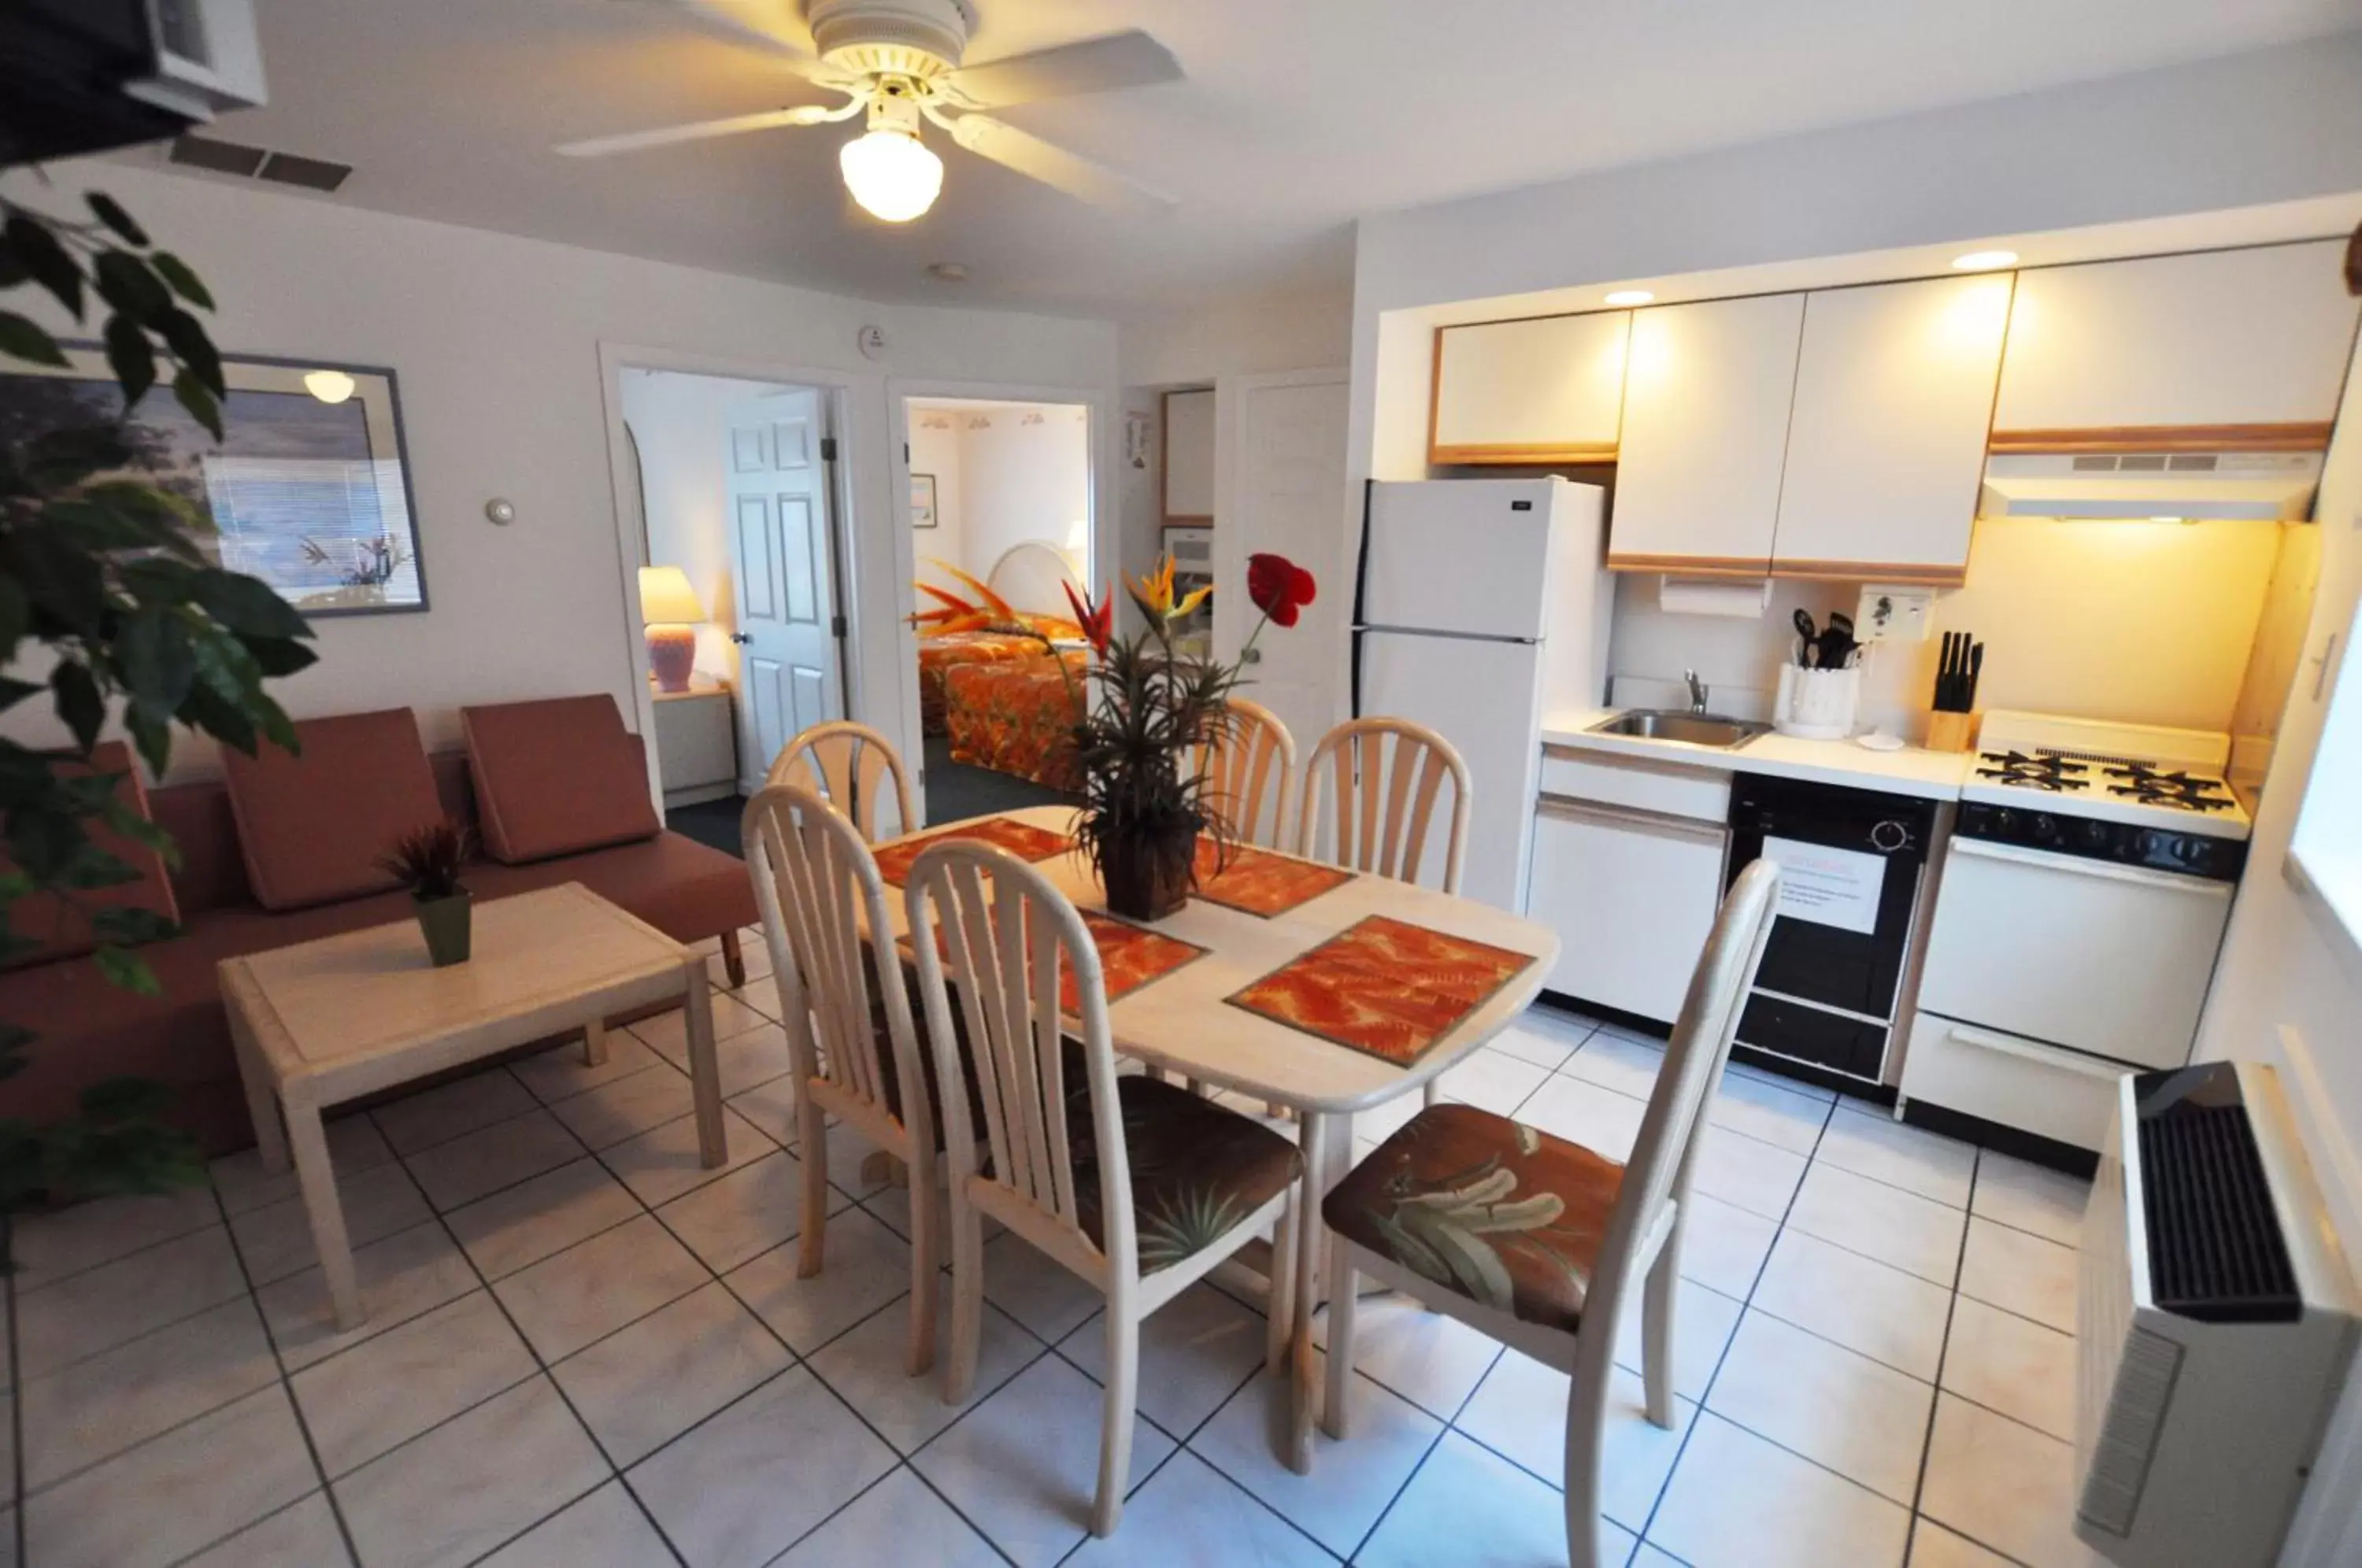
[584, 1349]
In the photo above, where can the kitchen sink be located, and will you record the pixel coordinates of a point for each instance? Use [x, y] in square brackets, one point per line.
[1690, 729]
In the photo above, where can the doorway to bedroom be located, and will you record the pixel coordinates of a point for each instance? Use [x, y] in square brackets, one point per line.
[1001, 521]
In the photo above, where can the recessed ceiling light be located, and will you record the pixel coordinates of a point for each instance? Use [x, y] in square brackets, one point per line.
[1631, 296]
[947, 271]
[1984, 260]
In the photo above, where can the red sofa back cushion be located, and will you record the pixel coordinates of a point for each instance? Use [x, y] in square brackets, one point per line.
[313, 826]
[557, 777]
[62, 927]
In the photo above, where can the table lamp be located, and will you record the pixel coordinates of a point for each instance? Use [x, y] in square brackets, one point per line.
[669, 609]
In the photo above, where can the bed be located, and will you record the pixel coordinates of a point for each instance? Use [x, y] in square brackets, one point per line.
[1017, 715]
[1014, 614]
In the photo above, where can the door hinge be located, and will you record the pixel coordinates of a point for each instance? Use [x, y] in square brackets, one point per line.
[836, 625]
[828, 448]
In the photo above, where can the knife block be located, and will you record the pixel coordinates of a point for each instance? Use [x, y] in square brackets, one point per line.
[1951, 731]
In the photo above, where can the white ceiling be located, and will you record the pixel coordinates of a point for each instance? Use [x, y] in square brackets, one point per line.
[1297, 116]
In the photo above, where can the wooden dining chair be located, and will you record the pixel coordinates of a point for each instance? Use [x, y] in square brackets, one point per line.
[1539, 1241]
[852, 1039]
[1138, 1187]
[847, 763]
[1252, 771]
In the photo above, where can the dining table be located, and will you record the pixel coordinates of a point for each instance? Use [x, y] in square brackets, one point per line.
[1325, 991]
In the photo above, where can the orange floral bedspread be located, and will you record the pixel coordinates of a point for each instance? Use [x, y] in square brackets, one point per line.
[938, 656]
[1384, 986]
[1018, 716]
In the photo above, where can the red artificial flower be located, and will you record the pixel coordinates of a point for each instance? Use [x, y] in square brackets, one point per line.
[1098, 620]
[1279, 587]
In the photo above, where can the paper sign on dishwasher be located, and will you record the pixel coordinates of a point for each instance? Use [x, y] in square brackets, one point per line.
[1827, 886]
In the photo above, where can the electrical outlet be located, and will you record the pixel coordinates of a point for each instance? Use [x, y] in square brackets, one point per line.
[1894, 614]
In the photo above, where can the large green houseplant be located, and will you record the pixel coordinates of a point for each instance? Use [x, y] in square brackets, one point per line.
[110, 605]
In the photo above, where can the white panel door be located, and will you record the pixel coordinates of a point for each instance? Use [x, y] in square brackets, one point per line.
[1886, 446]
[1288, 497]
[790, 669]
[1705, 433]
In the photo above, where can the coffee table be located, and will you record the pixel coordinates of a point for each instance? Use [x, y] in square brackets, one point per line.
[326, 1021]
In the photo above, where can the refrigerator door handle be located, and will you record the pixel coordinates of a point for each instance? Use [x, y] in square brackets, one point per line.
[1362, 560]
[1354, 675]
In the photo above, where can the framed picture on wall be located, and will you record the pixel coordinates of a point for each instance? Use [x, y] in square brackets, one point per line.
[923, 501]
[308, 489]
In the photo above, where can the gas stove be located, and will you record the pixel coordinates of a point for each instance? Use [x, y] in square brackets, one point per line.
[2134, 776]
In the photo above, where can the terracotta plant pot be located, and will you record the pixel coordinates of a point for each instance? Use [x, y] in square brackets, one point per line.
[1148, 877]
[446, 925]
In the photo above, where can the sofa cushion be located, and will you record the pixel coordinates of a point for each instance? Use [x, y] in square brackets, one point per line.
[682, 887]
[557, 777]
[313, 826]
[61, 926]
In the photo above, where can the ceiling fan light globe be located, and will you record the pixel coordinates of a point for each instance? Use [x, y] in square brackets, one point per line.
[893, 174]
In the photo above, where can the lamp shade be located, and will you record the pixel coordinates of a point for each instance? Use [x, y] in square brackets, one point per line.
[667, 599]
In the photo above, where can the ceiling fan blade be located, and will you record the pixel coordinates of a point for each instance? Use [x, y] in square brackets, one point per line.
[698, 130]
[776, 22]
[1094, 65]
[1053, 165]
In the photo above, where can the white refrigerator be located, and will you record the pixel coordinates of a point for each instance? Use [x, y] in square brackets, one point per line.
[1480, 605]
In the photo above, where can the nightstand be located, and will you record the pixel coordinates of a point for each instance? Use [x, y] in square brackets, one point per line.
[697, 745]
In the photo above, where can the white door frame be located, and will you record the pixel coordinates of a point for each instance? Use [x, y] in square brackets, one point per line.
[1230, 543]
[836, 389]
[1106, 506]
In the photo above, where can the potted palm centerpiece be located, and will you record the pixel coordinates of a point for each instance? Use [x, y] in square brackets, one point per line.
[1149, 714]
[428, 863]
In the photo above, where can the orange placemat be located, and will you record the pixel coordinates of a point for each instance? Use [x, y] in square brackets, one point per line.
[1259, 882]
[1130, 956]
[1384, 986]
[1021, 839]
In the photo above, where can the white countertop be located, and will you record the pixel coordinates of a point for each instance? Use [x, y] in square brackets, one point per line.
[1933, 775]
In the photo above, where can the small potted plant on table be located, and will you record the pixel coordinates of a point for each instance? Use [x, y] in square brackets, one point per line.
[428, 863]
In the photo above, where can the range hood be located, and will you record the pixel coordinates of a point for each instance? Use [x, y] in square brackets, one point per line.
[2264, 486]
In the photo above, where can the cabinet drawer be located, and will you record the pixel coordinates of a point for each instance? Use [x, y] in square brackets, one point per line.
[1667, 787]
[2010, 1079]
[1633, 900]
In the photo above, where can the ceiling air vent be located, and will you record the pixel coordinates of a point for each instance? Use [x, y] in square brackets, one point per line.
[221, 157]
[259, 163]
[312, 174]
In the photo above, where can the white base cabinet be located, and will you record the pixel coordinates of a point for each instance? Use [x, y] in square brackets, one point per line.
[1632, 896]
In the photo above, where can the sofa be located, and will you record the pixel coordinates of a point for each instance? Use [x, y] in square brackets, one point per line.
[266, 852]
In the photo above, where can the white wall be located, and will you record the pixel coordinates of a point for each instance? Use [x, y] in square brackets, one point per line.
[935, 448]
[1007, 473]
[1247, 335]
[497, 343]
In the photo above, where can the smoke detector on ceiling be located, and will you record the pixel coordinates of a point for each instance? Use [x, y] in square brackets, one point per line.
[947, 271]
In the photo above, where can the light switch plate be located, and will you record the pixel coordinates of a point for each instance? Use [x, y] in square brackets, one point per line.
[1894, 614]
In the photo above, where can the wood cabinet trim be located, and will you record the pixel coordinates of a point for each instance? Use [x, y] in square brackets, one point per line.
[1691, 566]
[2302, 436]
[1543, 452]
[1906, 574]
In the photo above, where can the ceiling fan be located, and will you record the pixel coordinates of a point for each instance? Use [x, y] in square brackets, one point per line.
[898, 61]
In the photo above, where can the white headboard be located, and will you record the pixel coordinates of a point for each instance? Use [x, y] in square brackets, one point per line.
[1031, 576]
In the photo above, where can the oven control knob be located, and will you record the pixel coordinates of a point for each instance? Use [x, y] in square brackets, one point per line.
[2095, 833]
[1888, 837]
[2005, 823]
[2046, 829]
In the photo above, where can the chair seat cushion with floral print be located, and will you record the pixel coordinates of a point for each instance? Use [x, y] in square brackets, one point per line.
[1504, 1214]
[1197, 1168]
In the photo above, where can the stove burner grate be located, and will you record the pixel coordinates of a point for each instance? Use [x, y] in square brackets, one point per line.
[2043, 770]
[2147, 785]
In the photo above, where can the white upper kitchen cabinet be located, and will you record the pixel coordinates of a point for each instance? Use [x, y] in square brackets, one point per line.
[2252, 337]
[1706, 396]
[1549, 390]
[1886, 444]
[1189, 457]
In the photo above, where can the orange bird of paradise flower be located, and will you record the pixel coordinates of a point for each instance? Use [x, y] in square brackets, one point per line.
[953, 613]
[1095, 618]
[1154, 594]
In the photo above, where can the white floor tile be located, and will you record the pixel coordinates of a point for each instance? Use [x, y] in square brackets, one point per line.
[303, 1536]
[1880, 1311]
[1353, 1479]
[865, 1266]
[626, 1107]
[1736, 1501]
[847, 1150]
[605, 1529]
[1022, 1465]
[429, 1117]
[1581, 1111]
[98, 1407]
[529, 1221]
[594, 1288]
[740, 1489]
[1895, 1226]
[1704, 1320]
[1748, 1173]
[1520, 1413]
[48, 1246]
[354, 1144]
[1544, 1038]
[754, 1058]
[1775, 1114]
[2007, 1484]
[667, 1034]
[1194, 1351]
[1722, 1246]
[276, 1241]
[475, 1164]
[646, 1383]
[1432, 1361]
[770, 1107]
[746, 1212]
[664, 1162]
[2012, 1364]
[104, 1306]
[2030, 1275]
[1471, 1508]
[1932, 1546]
[1047, 1297]
[867, 1369]
[1617, 1062]
[1189, 1515]
[1876, 1146]
[1859, 1417]
[559, 1072]
[401, 1277]
[454, 1494]
[898, 1523]
[1493, 1080]
[2030, 1197]
[169, 1497]
[386, 1390]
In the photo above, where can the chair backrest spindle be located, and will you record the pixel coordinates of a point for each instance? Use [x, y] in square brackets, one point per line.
[1382, 781]
[847, 764]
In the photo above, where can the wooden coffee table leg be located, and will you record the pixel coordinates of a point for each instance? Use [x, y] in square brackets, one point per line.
[326, 1210]
[704, 1071]
[595, 1042]
[262, 1098]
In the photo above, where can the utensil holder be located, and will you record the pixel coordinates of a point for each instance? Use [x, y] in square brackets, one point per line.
[1951, 731]
[1817, 705]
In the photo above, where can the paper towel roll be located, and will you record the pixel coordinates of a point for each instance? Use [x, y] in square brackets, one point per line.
[1710, 596]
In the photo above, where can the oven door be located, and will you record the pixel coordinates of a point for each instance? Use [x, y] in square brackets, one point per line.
[2114, 960]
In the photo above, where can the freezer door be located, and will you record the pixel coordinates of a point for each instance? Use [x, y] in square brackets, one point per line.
[1482, 697]
[1463, 556]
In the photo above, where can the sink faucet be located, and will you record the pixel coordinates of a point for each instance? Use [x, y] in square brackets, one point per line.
[1698, 690]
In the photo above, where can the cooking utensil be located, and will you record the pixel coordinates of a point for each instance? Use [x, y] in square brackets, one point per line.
[1976, 673]
[1806, 650]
